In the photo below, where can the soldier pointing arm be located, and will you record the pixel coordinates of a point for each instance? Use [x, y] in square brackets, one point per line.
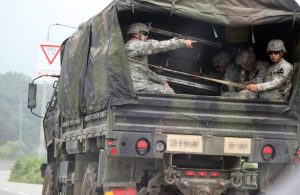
[138, 48]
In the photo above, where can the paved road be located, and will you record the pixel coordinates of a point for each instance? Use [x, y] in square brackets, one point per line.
[11, 188]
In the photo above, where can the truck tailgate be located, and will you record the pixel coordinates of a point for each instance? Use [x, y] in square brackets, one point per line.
[216, 116]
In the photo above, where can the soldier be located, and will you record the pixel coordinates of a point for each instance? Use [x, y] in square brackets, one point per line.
[138, 48]
[233, 73]
[254, 71]
[221, 62]
[277, 83]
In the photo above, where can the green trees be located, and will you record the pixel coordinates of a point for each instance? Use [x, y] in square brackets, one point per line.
[12, 150]
[27, 171]
[19, 129]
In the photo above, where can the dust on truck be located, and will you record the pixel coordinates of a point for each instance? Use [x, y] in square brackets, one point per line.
[104, 138]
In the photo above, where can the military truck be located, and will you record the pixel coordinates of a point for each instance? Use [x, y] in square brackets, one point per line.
[102, 137]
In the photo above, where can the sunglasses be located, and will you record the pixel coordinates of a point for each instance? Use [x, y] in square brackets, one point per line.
[273, 52]
[144, 33]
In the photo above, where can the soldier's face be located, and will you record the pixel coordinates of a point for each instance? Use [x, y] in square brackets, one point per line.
[144, 35]
[275, 56]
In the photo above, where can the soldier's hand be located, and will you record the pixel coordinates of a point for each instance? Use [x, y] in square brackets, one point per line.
[251, 87]
[168, 88]
[189, 43]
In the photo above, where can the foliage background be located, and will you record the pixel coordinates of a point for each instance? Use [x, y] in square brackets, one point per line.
[15, 117]
[27, 170]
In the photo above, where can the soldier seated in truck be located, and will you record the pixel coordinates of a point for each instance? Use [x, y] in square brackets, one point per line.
[233, 73]
[253, 71]
[278, 81]
[138, 48]
[221, 61]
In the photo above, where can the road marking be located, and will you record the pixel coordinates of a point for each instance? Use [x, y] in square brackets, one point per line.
[22, 193]
[4, 189]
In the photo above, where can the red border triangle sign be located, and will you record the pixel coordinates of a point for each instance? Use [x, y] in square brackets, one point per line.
[50, 51]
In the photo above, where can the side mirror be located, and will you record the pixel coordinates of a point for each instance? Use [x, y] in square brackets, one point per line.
[32, 96]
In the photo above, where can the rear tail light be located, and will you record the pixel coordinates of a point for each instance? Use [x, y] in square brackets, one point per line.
[113, 151]
[110, 142]
[296, 158]
[129, 191]
[189, 173]
[202, 173]
[268, 152]
[214, 174]
[142, 146]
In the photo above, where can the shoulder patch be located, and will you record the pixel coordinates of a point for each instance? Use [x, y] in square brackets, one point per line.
[280, 72]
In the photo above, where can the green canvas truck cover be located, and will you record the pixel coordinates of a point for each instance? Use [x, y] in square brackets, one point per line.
[95, 70]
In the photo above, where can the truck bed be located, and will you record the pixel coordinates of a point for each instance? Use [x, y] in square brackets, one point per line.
[211, 116]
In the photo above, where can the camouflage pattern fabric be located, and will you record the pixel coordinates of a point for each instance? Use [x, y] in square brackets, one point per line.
[278, 81]
[145, 80]
[137, 27]
[244, 58]
[221, 59]
[244, 94]
[256, 76]
[276, 45]
[233, 73]
[259, 73]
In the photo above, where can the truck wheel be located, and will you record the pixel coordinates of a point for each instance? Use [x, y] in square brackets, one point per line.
[49, 180]
[90, 180]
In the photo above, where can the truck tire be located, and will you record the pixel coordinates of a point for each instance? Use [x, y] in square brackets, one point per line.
[49, 187]
[90, 180]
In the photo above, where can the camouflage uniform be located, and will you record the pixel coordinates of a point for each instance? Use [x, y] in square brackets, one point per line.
[233, 74]
[278, 81]
[255, 77]
[245, 58]
[145, 80]
[222, 60]
[259, 73]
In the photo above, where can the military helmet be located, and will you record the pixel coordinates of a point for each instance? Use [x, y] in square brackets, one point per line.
[276, 45]
[137, 27]
[221, 59]
[244, 58]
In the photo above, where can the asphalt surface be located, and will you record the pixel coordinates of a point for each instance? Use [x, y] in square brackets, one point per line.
[11, 188]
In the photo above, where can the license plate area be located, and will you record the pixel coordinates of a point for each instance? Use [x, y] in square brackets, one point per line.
[184, 143]
[234, 145]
